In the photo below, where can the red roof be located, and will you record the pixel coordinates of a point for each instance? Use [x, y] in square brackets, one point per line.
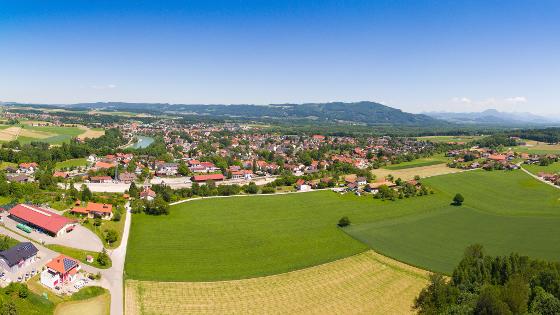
[203, 178]
[63, 264]
[99, 207]
[45, 219]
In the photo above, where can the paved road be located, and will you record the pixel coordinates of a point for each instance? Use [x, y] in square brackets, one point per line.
[112, 278]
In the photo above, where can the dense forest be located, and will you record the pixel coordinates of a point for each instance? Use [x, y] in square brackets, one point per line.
[483, 284]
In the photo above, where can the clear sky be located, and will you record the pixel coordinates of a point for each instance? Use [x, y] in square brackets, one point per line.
[415, 55]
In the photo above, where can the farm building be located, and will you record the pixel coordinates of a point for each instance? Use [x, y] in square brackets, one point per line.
[59, 271]
[42, 219]
[20, 255]
[204, 178]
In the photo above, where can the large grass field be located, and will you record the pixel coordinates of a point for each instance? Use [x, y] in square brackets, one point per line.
[504, 211]
[244, 237]
[367, 283]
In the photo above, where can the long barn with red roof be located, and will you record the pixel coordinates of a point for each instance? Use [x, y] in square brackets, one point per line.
[42, 219]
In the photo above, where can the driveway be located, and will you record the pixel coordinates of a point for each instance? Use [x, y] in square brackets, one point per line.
[80, 238]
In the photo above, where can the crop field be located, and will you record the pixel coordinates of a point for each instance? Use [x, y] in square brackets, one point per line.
[535, 147]
[367, 283]
[408, 173]
[450, 138]
[26, 133]
[245, 237]
[527, 224]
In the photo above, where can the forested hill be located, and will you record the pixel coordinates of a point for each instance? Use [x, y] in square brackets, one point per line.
[369, 113]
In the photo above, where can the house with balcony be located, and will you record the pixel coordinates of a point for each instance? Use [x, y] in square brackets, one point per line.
[60, 271]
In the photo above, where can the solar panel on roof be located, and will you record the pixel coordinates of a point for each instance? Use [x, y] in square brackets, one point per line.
[68, 263]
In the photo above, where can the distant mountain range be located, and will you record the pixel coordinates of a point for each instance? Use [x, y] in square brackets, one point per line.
[361, 113]
[494, 117]
[365, 113]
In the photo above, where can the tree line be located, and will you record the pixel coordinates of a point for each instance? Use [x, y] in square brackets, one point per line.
[483, 284]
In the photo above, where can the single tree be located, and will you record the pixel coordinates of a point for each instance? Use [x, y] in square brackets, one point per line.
[458, 199]
[344, 221]
[111, 236]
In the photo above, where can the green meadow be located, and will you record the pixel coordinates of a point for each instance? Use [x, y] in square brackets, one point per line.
[536, 169]
[71, 163]
[244, 237]
[434, 160]
[504, 211]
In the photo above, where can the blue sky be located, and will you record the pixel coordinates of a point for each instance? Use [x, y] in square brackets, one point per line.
[413, 55]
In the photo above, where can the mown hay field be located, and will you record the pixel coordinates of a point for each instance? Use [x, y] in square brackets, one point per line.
[504, 211]
[367, 283]
[446, 139]
[408, 173]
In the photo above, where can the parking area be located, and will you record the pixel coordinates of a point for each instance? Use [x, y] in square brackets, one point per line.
[24, 273]
[80, 237]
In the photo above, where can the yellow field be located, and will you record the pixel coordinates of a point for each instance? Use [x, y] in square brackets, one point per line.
[99, 305]
[11, 133]
[366, 283]
[535, 145]
[409, 173]
[90, 133]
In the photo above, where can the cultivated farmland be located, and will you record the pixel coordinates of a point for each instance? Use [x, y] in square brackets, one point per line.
[527, 224]
[408, 173]
[26, 133]
[366, 283]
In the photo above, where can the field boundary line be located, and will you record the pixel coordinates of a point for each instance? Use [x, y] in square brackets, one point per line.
[253, 195]
[395, 263]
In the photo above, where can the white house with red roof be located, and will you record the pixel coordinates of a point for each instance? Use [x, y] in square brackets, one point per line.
[148, 194]
[42, 219]
[59, 271]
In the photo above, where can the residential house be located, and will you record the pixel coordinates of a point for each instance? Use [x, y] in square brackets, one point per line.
[59, 271]
[148, 194]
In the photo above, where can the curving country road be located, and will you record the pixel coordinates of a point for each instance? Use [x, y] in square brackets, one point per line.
[112, 278]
